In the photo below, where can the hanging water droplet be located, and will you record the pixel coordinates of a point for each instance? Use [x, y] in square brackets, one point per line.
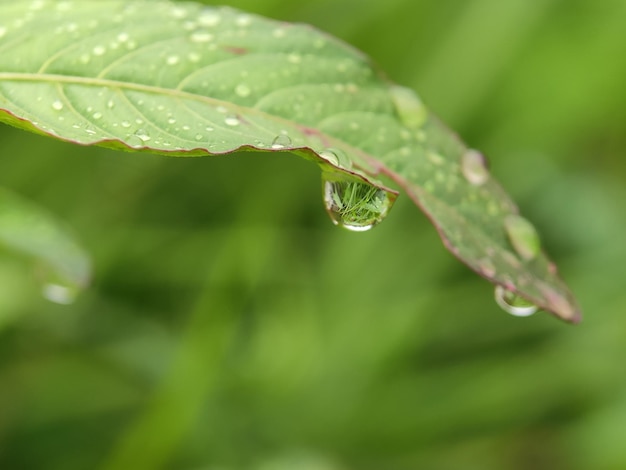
[474, 167]
[57, 105]
[513, 304]
[281, 141]
[523, 236]
[59, 293]
[336, 157]
[352, 204]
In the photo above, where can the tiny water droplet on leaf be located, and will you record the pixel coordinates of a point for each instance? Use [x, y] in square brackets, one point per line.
[474, 167]
[513, 304]
[352, 204]
[523, 236]
[231, 121]
[281, 141]
[409, 106]
[336, 157]
[142, 135]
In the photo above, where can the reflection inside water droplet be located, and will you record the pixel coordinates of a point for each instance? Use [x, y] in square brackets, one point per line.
[281, 141]
[353, 204]
[513, 304]
[474, 167]
[59, 294]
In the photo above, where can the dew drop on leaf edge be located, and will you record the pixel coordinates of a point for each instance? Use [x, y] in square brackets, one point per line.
[336, 157]
[352, 204]
[281, 141]
[513, 304]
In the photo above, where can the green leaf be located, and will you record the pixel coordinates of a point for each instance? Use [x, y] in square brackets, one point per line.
[182, 79]
[26, 228]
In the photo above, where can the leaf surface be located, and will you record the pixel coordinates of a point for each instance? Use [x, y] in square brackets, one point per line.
[184, 79]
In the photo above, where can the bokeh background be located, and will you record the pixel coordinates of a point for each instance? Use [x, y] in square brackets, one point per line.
[231, 326]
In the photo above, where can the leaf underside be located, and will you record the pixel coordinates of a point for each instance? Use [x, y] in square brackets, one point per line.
[183, 79]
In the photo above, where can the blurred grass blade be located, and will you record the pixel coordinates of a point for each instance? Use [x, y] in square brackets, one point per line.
[29, 229]
[184, 79]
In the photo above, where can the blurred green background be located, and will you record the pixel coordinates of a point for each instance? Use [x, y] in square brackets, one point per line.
[231, 326]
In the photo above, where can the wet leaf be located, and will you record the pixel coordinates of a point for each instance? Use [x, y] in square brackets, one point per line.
[183, 79]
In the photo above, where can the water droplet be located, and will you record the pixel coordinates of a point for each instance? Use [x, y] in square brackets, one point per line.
[294, 58]
[474, 167]
[243, 20]
[99, 50]
[178, 12]
[243, 90]
[513, 304]
[199, 137]
[59, 294]
[194, 57]
[279, 33]
[409, 107]
[201, 36]
[142, 135]
[125, 124]
[57, 105]
[231, 120]
[3, 31]
[523, 236]
[171, 120]
[353, 204]
[97, 115]
[435, 158]
[336, 157]
[110, 104]
[281, 141]
[172, 60]
[123, 37]
[209, 19]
